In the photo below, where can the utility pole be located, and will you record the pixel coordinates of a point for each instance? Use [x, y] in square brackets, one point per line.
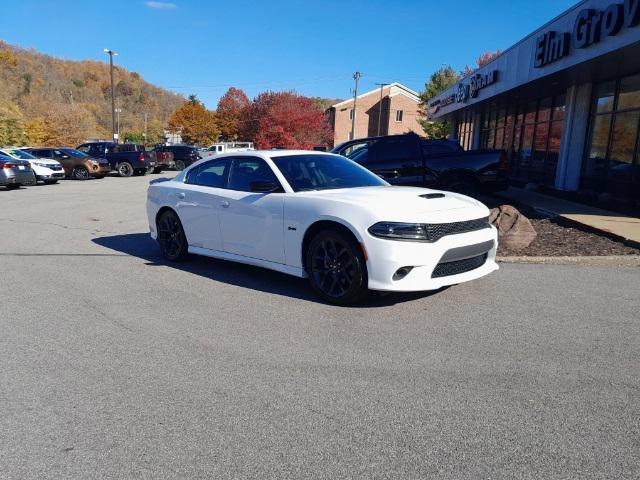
[145, 128]
[382, 85]
[111, 53]
[356, 77]
[118, 110]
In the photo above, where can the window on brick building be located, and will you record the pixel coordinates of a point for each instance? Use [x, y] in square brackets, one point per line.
[399, 114]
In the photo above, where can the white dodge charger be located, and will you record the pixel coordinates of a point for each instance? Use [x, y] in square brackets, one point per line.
[322, 216]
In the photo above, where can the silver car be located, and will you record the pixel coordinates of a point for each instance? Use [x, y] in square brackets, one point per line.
[15, 172]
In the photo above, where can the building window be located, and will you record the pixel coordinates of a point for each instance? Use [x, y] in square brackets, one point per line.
[351, 114]
[612, 162]
[465, 129]
[399, 115]
[531, 132]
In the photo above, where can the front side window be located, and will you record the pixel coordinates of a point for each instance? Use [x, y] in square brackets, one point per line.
[210, 174]
[324, 172]
[244, 171]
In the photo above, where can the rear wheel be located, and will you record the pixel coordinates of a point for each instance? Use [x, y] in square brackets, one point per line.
[124, 169]
[171, 238]
[157, 170]
[180, 165]
[336, 267]
[80, 173]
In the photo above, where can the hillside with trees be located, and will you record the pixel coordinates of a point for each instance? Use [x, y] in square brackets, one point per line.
[49, 101]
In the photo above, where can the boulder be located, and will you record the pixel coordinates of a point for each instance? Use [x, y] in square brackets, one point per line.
[514, 229]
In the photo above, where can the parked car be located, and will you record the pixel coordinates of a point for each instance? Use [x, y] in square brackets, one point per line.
[46, 170]
[125, 158]
[183, 155]
[412, 160]
[164, 159]
[14, 172]
[322, 216]
[76, 164]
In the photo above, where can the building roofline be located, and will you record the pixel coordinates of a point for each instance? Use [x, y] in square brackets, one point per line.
[376, 90]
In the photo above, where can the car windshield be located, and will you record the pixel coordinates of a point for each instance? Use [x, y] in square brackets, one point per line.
[72, 152]
[323, 172]
[16, 153]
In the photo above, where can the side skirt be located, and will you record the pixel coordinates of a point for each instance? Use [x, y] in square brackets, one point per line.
[278, 267]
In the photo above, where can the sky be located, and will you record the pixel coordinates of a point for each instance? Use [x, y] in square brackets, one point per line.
[313, 47]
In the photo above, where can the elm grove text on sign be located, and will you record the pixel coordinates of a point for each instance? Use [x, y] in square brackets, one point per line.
[591, 26]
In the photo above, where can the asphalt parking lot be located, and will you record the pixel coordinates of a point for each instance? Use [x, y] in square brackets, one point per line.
[117, 365]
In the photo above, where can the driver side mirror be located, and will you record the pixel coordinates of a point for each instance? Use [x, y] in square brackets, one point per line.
[265, 186]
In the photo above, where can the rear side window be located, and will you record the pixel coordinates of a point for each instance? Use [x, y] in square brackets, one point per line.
[402, 148]
[210, 174]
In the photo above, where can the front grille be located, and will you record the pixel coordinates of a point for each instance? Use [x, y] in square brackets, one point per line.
[55, 168]
[446, 269]
[435, 231]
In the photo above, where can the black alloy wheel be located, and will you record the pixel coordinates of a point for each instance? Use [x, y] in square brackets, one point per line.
[336, 267]
[180, 165]
[80, 173]
[125, 169]
[171, 237]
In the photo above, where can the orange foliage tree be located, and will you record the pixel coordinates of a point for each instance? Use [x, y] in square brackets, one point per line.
[194, 123]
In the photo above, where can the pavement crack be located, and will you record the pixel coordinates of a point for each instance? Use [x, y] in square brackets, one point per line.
[113, 321]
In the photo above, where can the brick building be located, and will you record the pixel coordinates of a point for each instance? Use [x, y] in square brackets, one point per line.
[399, 114]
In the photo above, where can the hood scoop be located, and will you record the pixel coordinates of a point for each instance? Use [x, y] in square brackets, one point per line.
[430, 196]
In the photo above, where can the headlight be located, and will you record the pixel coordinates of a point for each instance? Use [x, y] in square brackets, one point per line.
[40, 164]
[399, 231]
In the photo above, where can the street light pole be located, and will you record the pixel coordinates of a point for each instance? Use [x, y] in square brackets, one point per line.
[356, 77]
[111, 53]
[382, 85]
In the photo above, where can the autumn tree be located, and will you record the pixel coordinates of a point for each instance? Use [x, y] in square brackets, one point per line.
[482, 60]
[231, 108]
[194, 123]
[439, 81]
[288, 120]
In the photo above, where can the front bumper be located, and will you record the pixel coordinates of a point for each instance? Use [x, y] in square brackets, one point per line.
[100, 170]
[52, 176]
[386, 257]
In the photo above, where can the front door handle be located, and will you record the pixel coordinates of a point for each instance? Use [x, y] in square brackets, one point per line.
[224, 204]
[181, 196]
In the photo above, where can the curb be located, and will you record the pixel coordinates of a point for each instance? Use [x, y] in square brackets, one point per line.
[608, 261]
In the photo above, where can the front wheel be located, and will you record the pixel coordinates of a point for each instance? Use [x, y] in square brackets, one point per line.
[80, 173]
[336, 267]
[171, 238]
[125, 169]
[180, 165]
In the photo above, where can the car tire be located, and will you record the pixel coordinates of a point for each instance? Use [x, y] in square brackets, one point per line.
[157, 170]
[150, 170]
[50, 182]
[13, 186]
[125, 169]
[80, 173]
[171, 238]
[98, 177]
[337, 268]
[180, 165]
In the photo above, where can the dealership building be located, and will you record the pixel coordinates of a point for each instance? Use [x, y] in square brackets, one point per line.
[564, 102]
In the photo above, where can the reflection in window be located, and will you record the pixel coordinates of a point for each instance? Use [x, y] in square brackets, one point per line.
[613, 142]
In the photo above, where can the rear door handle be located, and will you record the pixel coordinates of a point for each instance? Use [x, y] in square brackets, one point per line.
[224, 204]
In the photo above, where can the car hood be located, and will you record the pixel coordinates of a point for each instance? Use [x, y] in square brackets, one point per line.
[403, 200]
[50, 162]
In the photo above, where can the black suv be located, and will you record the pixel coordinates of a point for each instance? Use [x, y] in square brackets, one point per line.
[183, 155]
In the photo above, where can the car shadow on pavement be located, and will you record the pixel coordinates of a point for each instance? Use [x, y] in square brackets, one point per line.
[141, 245]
